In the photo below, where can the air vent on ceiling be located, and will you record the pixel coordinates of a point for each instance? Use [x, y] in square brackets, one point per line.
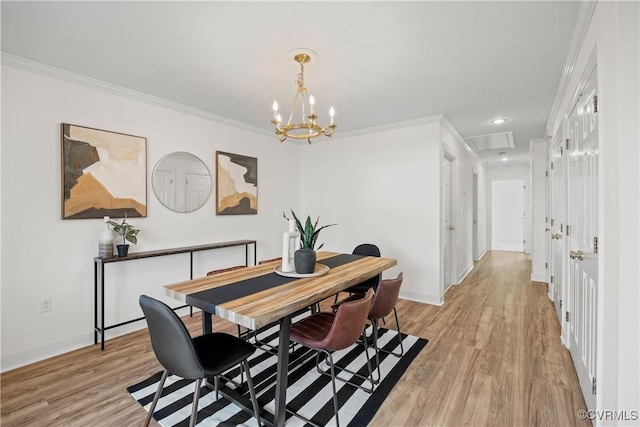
[491, 141]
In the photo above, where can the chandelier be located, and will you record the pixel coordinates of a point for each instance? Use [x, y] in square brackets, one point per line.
[302, 119]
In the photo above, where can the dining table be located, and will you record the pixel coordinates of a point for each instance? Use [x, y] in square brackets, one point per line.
[261, 295]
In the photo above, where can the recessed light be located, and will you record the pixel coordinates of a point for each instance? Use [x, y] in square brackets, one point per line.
[504, 159]
[498, 121]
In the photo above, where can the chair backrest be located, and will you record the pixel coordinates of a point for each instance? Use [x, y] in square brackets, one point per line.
[385, 298]
[264, 261]
[224, 270]
[368, 249]
[170, 339]
[348, 323]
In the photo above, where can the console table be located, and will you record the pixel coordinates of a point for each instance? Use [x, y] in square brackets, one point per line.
[98, 272]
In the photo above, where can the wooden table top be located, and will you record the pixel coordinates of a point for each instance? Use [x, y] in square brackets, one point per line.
[262, 308]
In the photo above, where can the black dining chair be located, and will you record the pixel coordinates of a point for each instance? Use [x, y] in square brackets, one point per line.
[197, 358]
[367, 249]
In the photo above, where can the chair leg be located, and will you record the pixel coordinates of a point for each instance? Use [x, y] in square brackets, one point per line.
[156, 397]
[333, 384]
[399, 334]
[194, 405]
[375, 346]
[252, 392]
[216, 383]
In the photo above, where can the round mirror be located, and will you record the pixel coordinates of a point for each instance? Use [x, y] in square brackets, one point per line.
[182, 182]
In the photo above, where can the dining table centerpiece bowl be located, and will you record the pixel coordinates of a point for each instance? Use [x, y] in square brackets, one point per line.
[127, 232]
[305, 258]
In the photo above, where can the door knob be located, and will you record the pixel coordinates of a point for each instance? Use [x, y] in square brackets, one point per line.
[546, 229]
[576, 255]
[556, 236]
[451, 228]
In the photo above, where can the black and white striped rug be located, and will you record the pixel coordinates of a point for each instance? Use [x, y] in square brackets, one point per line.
[309, 393]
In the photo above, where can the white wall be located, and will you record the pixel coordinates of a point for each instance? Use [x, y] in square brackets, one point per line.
[506, 172]
[613, 34]
[384, 188]
[45, 256]
[539, 236]
[507, 206]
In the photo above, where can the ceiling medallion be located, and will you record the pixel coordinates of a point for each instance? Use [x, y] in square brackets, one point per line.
[304, 125]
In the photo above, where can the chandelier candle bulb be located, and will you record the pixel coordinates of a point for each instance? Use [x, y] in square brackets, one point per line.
[312, 102]
[275, 110]
[332, 113]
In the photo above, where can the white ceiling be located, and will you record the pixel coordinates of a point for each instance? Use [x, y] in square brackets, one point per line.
[379, 62]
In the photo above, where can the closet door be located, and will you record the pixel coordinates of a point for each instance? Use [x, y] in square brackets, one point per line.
[582, 236]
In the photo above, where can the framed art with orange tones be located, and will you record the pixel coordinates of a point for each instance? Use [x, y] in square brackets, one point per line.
[236, 184]
[103, 174]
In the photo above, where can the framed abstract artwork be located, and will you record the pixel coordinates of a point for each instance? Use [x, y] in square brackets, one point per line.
[103, 174]
[236, 184]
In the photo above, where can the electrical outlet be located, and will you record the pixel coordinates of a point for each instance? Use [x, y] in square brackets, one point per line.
[45, 305]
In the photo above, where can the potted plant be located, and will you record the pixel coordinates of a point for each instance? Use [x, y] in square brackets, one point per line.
[128, 233]
[305, 257]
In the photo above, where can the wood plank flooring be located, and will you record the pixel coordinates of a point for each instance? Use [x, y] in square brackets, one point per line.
[494, 358]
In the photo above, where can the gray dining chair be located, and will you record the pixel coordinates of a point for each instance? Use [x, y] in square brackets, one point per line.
[197, 358]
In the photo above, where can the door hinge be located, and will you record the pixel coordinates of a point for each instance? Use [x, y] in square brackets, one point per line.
[552, 222]
[568, 230]
[561, 230]
[593, 386]
[560, 304]
[546, 265]
[566, 317]
[546, 219]
[551, 279]
[595, 110]
[595, 245]
[567, 143]
[551, 165]
[546, 173]
[562, 151]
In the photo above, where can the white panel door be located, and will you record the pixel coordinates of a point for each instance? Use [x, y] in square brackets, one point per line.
[582, 234]
[164, 185]
[198, 189]
[558, 214]
[507, 215]
[448, 228]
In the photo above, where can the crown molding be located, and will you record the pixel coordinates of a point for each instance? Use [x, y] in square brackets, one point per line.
[453, 131]
[583, 19]
[91, 83]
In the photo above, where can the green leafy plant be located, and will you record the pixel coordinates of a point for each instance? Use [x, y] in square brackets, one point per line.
[126, 231]
[309, 233]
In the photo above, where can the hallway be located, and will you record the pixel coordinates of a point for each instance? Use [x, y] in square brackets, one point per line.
[494, 356]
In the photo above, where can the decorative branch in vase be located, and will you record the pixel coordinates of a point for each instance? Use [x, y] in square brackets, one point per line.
[127, 232]
[305, 257]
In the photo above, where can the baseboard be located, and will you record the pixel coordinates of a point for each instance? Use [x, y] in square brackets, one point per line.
[481, 255]
[464, 274]
[38, 354]
[426, 299]
[537, 277]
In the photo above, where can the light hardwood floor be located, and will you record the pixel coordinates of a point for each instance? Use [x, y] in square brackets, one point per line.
[494, 358]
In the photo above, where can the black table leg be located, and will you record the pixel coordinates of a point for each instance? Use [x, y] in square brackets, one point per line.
[207, 326]
[281, 377]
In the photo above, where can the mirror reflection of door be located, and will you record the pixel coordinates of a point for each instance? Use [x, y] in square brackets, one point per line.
[181, 182]
[197, 192]
[164, 185]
